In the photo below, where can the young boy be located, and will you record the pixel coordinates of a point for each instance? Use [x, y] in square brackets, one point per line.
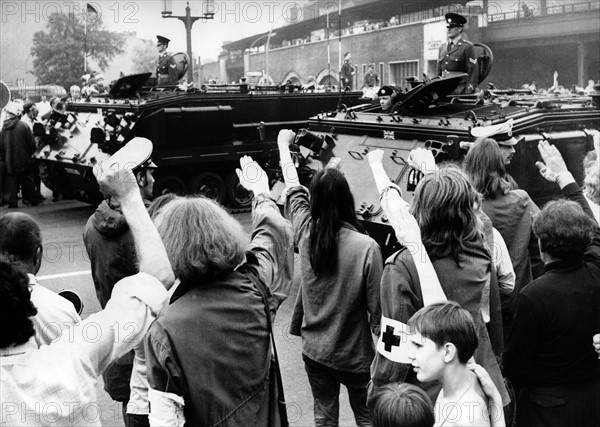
[444, 339]
[401, 405]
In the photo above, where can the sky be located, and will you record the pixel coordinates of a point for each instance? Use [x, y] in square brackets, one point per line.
[233, 20]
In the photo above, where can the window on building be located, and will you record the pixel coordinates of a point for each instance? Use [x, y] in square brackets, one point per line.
[400, 70]
[381, 74]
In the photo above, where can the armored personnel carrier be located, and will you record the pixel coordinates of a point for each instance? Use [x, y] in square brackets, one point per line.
[428, 117]
[198, 135]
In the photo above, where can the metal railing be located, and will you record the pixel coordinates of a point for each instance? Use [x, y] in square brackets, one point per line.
[530, 13]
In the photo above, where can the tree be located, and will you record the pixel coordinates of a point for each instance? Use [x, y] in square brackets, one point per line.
[145, 57]
[58, 53]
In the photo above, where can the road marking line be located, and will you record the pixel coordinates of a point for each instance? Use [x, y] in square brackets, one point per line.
[58, 276]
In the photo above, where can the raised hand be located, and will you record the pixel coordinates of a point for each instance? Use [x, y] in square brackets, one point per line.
[252, 176]
[422, 160]
[375, 157]
[553, 164]
[490, 390]
[290, 174]
[116, 180]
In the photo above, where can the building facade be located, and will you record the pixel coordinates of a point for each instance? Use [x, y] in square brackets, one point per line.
[529, 40]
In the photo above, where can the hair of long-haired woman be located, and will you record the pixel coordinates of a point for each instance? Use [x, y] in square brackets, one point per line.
[484, 165]
[444, 207]
[202, 240]
[331, 204]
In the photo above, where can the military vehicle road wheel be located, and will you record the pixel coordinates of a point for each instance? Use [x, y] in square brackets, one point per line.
[209, 185]
[169, 184]
[237, 195]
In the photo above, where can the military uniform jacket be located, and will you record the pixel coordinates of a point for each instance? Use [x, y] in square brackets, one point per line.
[346, 74]
[166, 70]
[460, 58]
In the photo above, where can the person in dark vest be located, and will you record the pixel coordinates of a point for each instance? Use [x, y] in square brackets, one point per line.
[458, 55]
[166, 70]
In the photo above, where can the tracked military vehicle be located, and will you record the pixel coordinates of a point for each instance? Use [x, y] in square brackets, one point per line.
[428, 117]
[198, 135]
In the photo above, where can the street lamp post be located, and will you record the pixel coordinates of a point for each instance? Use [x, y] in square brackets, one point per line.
[188, 21]
[268, 36]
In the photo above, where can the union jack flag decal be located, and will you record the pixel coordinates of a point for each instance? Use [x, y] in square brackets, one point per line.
[388, 134]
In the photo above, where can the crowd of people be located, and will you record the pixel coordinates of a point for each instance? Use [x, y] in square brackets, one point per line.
[491, 303]
[27, 127]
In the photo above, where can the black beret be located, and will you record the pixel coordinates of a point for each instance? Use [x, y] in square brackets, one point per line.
[163, 40]
[454, 19]
[386, 91]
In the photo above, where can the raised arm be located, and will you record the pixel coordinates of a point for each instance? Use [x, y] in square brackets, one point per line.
[272, 241]
[554, 169]
[295, 196]
[405, 227]
[120, 184]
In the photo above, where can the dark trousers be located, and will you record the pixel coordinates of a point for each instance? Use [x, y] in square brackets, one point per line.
[24, 181]
[325, 385]
[135, 420]
[37, 181]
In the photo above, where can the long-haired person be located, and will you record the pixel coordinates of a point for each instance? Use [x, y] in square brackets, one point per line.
[444, 208]
[512, 213]
[209, 356]
[337, 307]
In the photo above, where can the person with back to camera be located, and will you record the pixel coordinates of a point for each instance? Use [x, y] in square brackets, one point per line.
[56, 383]
[337, 307]
[548, 358]
[208, 356]
[451, 236]
[110, 246]
[21, 239]
[401, 405]
[511, 212]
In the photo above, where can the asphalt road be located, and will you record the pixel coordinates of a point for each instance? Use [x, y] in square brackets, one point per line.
[66, 266]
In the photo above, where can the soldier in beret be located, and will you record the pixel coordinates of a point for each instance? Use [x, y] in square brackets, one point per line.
[166, 70]
[458, 55]
[387, 98]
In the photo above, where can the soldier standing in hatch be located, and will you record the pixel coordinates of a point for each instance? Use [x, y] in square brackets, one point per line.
[458, 55]
[166, 70]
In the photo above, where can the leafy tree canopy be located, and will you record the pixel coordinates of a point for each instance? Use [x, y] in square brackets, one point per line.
[58, 52]
[144, 56]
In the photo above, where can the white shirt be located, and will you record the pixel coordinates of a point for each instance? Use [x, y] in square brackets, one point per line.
[56, 384]
[54, 315]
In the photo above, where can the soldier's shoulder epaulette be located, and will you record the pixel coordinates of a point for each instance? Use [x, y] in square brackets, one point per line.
[468, 42]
